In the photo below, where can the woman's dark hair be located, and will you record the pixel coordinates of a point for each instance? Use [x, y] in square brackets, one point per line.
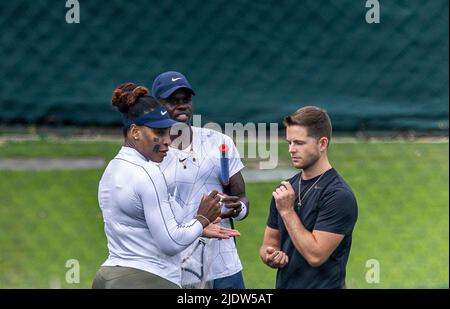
[133, 101]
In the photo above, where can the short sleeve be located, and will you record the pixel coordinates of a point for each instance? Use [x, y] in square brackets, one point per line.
[272, 220]
[338, 213]
[235, 162]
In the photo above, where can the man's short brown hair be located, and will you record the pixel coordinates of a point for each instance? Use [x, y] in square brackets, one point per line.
[314, 119]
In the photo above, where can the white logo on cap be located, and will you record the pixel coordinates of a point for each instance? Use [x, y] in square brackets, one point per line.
[175, 79]
[163, 113]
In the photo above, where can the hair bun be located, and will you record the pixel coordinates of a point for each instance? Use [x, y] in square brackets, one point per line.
[116, 96]
[135, 94]
[126, 95]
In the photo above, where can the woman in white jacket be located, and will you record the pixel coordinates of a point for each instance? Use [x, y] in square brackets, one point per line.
[145, 235]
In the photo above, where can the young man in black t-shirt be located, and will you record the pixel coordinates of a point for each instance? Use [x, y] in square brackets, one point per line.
[308, 235]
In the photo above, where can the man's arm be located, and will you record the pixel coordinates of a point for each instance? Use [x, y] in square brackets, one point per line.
[237, 189]
[270, 252]
[316, 246]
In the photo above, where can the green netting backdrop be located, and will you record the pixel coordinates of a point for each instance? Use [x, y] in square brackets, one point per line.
[249, 60]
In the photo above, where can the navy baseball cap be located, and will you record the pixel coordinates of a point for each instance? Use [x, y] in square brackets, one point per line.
[157, 119]
[167, 83]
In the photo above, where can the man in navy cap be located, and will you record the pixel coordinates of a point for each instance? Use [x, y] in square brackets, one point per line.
[173, 90]
[193, 169]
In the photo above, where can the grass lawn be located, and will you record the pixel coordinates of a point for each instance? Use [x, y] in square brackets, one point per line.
[47, 218]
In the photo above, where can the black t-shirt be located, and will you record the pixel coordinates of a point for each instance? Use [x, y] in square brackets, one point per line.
[329, 206]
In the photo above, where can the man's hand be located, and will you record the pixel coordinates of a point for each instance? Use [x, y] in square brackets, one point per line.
[275, 258]
[284, 198]
[232, 206]
[216, 231]
[209, 208]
